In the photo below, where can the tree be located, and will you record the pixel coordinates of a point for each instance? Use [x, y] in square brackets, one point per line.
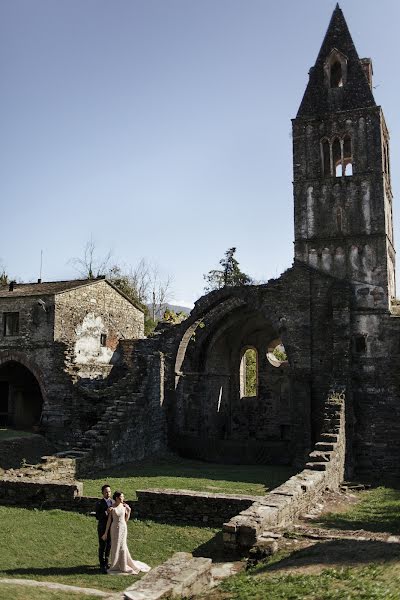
[229, 275]
[90, 265]
[144, 283]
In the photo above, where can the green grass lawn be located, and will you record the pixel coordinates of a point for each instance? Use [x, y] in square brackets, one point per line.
[178, 473]
[20, 592]
[372, 582]
[349, 569]
[377, 510]
[8, 434]
[62, 547]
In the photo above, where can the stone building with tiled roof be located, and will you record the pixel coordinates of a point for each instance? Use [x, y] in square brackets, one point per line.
[53, 336]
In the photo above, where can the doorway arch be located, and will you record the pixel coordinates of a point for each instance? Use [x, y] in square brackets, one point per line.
[21, 397]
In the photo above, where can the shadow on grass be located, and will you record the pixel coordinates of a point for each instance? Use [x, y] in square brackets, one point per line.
[269, 475]
[51, 571]
[213, 549]
[336, 552]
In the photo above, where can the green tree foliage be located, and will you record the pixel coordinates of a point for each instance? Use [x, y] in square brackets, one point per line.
[3, 278]
[229, 275]
[279, 353]
[170, 316]
[250, 368]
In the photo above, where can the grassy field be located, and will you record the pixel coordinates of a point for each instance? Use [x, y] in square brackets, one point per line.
[62, 547]
[178, 473]
[20, 592]
[8, 434]
[347, 569]
[378, 510]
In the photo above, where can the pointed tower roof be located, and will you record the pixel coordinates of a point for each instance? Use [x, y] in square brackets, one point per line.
[354, 92]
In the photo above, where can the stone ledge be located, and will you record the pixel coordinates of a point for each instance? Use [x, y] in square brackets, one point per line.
[181, 575]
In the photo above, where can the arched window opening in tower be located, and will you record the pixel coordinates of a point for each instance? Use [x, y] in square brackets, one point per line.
[326, 157]
[276, 354]
[336, 75]
[347, 156]
[337, 157]
[249, 373]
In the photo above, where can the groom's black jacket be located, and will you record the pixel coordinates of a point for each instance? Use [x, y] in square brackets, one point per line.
[101, 516]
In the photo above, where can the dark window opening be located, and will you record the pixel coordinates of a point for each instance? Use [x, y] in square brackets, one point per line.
[337, 157]
[336, 75]
[11, 323]
[103, 339]
[360, 342]
[347, 156]
[326, 157]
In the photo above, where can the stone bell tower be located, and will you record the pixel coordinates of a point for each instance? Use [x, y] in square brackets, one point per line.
[342, 188]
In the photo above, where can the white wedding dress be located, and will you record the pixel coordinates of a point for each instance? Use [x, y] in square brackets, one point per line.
[121, 562]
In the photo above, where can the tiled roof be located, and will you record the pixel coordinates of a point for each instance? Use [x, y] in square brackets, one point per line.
[45, 288]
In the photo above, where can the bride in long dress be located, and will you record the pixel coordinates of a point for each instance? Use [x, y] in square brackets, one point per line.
[121, 561]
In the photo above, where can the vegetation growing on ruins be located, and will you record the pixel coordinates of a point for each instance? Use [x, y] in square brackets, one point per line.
[229, 275]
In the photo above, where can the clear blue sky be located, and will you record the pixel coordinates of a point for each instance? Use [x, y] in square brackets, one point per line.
[161, 128]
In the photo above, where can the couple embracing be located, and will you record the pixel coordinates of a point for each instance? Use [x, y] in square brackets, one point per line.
[113, 515]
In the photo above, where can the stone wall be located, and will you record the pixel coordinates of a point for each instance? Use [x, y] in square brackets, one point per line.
[83, 315]
[279, 508]
[38, 494]
[183, 506]
[208, 417]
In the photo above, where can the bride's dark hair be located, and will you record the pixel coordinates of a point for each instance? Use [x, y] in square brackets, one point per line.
[116, 495]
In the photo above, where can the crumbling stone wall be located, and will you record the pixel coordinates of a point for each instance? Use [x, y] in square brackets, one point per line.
[85, 313]
[279, 508]
[208, 418]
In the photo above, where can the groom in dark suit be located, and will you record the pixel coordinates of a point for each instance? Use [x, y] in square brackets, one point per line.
[102, 510]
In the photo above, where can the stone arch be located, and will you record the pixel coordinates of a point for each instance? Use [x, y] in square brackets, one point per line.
[22, 393]
[211, 416]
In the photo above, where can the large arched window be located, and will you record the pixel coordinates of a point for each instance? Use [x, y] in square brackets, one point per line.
[249, 373]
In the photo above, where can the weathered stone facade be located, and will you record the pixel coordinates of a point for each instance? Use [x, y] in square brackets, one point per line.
[333, 312]
[52, 336]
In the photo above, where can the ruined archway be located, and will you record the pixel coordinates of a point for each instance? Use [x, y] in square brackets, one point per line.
[215, 416]
[21, 398]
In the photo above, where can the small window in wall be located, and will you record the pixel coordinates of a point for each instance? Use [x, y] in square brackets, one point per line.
[337, 157]
[249, 373]
[103, 340]
[360, 343]
[276, 353]
[326, 157]
[11, 323]
[347, 156]
[336, 75]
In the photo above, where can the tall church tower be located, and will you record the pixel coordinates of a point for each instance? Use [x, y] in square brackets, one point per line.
[342, 189]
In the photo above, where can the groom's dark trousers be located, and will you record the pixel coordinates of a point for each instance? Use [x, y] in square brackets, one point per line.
[104, 546]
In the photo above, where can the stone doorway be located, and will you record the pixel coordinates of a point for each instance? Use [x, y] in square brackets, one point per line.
[21, 399]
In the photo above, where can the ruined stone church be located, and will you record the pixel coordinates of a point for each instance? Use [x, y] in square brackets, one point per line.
[334, 312]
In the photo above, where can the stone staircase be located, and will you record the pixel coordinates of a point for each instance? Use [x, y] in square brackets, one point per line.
[124, 401]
